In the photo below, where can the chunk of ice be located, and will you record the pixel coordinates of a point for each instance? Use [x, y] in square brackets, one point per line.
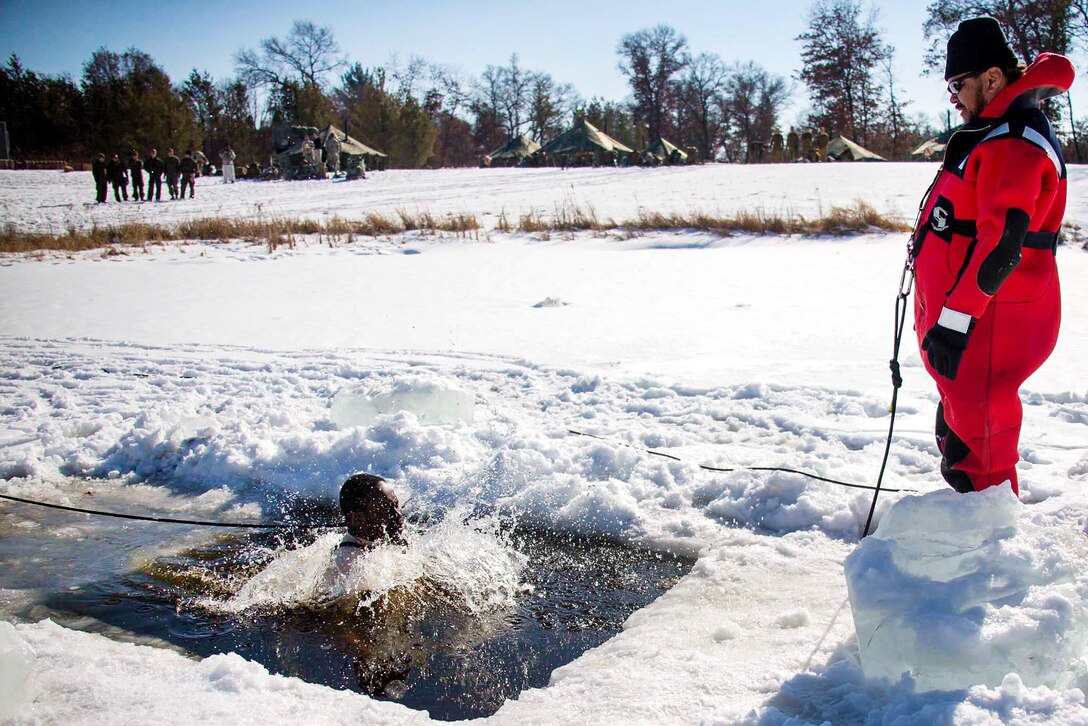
[432, 400]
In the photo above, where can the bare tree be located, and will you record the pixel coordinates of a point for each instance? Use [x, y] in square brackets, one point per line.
[454, 85]
[307, 56]
[551, 106]
[514, 96]
[702, 90]
[752, 103]
[896, 119]
[651, 60]
[409, 76]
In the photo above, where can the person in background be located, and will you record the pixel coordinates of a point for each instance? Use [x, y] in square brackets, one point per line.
[118, 174]
[987, 305]
[136, 170]
[226, 156]
[189, 170]
[101, 177]
[154, 168]
[172, 167]
[201, 161]
[332, 154]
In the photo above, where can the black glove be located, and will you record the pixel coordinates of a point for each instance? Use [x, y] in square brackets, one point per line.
[944, 347]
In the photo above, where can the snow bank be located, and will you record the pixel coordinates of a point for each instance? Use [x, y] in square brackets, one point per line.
[841, 694]
[80, 678]
[15, 661]
[955, 591]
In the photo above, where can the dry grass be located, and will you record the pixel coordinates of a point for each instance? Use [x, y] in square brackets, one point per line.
[839, 221]
[274, 233]
[861, 217]
[567, 218]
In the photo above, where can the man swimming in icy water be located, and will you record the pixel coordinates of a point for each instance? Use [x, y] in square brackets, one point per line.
[372, 515]
[373, 518]
[383, 649]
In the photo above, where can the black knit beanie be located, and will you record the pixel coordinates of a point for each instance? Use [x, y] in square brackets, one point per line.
[977, 45]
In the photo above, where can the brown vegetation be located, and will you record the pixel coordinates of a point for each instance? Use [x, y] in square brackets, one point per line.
[566, 218]
[861, 217]
[272, 232]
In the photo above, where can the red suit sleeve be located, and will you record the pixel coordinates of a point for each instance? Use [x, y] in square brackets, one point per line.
[1011, 174]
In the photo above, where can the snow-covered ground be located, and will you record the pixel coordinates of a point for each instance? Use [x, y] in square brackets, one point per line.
[214, 367]
[51, 201]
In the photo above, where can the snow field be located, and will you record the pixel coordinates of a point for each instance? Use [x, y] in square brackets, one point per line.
[53, 202]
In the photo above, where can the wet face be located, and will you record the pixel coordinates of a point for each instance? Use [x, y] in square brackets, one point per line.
[377, 520]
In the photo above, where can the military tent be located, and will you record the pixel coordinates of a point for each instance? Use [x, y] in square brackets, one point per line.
[352, 150]
[583, 144]
[841, 148]
[929, 149]
[665, 152]
[513, 151]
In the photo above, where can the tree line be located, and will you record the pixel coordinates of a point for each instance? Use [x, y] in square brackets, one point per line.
[423, 113]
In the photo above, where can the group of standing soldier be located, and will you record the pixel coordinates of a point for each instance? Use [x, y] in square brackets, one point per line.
[180, 174]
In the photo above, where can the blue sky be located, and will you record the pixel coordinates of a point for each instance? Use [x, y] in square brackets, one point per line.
[573, 41]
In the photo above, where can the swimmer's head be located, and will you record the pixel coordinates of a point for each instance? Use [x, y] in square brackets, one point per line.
[371, 510]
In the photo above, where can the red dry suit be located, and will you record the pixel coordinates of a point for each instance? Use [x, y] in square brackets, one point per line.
[984, 263]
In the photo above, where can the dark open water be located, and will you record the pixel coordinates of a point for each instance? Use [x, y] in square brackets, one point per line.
[102, 575]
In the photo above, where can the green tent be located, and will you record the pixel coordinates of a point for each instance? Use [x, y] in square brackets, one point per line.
[666, 152]
[584, 142]
[841, 148]
[513, 151]
[351, 147]
[929, 149]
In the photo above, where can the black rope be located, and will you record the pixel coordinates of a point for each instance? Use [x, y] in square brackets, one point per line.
[742, 468]
[167, 520]
[906, 282]
[897, 383]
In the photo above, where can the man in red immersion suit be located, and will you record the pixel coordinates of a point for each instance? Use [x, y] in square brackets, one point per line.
[987, 305]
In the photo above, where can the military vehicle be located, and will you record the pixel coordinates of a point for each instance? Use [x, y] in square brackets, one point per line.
[296, 154]
[356, 158]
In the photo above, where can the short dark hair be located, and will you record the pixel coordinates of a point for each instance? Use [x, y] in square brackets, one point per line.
[360, 489]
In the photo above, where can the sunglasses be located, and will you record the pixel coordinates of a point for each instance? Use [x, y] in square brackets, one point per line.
[955, 86]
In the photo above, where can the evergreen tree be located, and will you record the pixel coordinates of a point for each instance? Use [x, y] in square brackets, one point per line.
[236, 124]
[130, 104]
[841, 54]
[300, 104]
[399, 127]
[41, 113]
[616, 120]
[203, 98]
[414, 135]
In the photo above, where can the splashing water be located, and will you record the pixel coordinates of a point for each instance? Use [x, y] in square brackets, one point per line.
[468, 565]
